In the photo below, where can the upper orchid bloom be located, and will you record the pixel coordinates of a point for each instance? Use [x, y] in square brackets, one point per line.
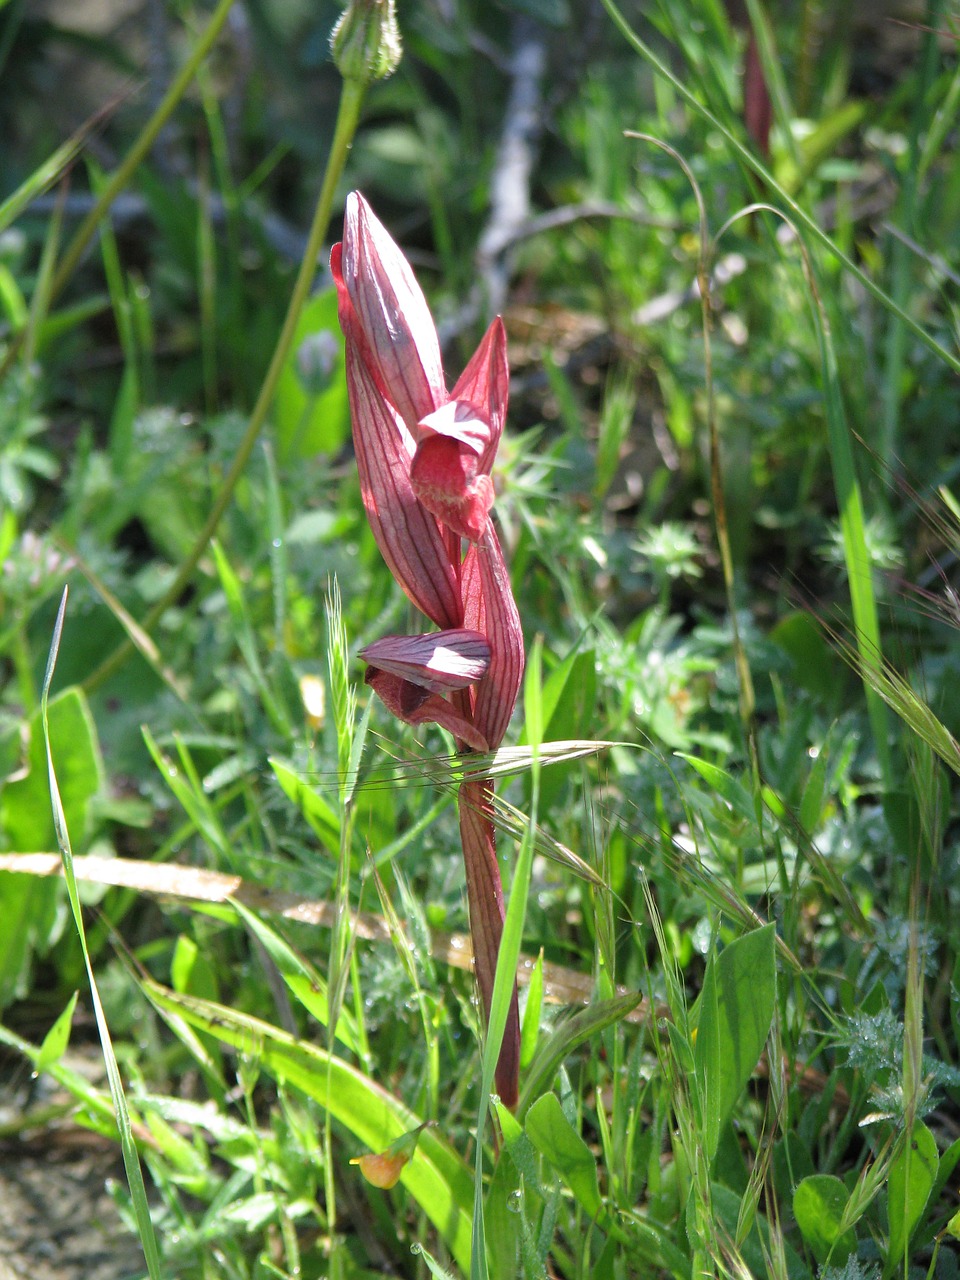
[451, 439]
[424, 458]
[390, 318]
[445, 472]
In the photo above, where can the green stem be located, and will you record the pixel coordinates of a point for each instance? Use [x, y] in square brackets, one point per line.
[347, 117]
[88, 227]
[120, 179]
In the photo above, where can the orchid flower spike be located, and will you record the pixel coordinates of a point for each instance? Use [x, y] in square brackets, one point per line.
[424, 457]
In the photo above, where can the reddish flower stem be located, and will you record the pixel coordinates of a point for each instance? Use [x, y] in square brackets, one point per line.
[485, 899]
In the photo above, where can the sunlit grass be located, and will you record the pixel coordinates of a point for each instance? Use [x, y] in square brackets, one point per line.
[731, 865]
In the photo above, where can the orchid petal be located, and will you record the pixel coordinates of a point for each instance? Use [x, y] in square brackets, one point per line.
[407, 534]
[392, 314]
[497, 616]
[485, 384]
[444, 477]
[440, 661]
[415, 705]
[457, 420]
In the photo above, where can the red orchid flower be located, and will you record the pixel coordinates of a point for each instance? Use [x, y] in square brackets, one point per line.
[424, 457]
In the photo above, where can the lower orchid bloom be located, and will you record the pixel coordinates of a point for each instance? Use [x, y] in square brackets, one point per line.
[424, 457]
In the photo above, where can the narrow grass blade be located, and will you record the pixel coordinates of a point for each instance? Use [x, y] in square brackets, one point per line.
[800, 216]
[131, 1159]
[436, 1177]
[218, 894]
[45, 175]
[572, 1032]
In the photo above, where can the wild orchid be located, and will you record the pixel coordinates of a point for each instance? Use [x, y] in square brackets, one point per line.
[424, 456]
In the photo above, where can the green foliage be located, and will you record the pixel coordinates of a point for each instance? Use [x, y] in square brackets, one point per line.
[731, 872]
[311, 406]
[733, 1020]
[819, 1203]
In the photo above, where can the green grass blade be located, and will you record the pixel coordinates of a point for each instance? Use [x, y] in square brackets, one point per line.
[436, 1176]
[510, 944]
[42, 179]
[131, 1160]
[852, 525]
[800, 216]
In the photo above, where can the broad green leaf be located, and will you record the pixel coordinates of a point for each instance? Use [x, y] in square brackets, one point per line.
[191, 972]
[519, 1146]
[818, 1205]
[12, 301]
[558, 1142]
[816, 666]
[735, 1011]
[911, 1179]
[57, 1038]
[503, 1227]
[310, 409]
[814, 793]
[32, 904]
[948, 1162]
[26, 826]
[25, 814]
[548, 1132]
[569, 713]
[436, 1177]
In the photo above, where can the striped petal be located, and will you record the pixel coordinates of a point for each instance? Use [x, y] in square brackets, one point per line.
[440, 661]
[407, 534]
[415, 705]
[493, 611]
[392, 315]
[485, 384]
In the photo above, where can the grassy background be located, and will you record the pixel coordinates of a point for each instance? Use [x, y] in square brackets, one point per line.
[732, 528]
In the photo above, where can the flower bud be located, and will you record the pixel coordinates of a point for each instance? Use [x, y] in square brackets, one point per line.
[365, 43]
[316, 359]
[383, 1168]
